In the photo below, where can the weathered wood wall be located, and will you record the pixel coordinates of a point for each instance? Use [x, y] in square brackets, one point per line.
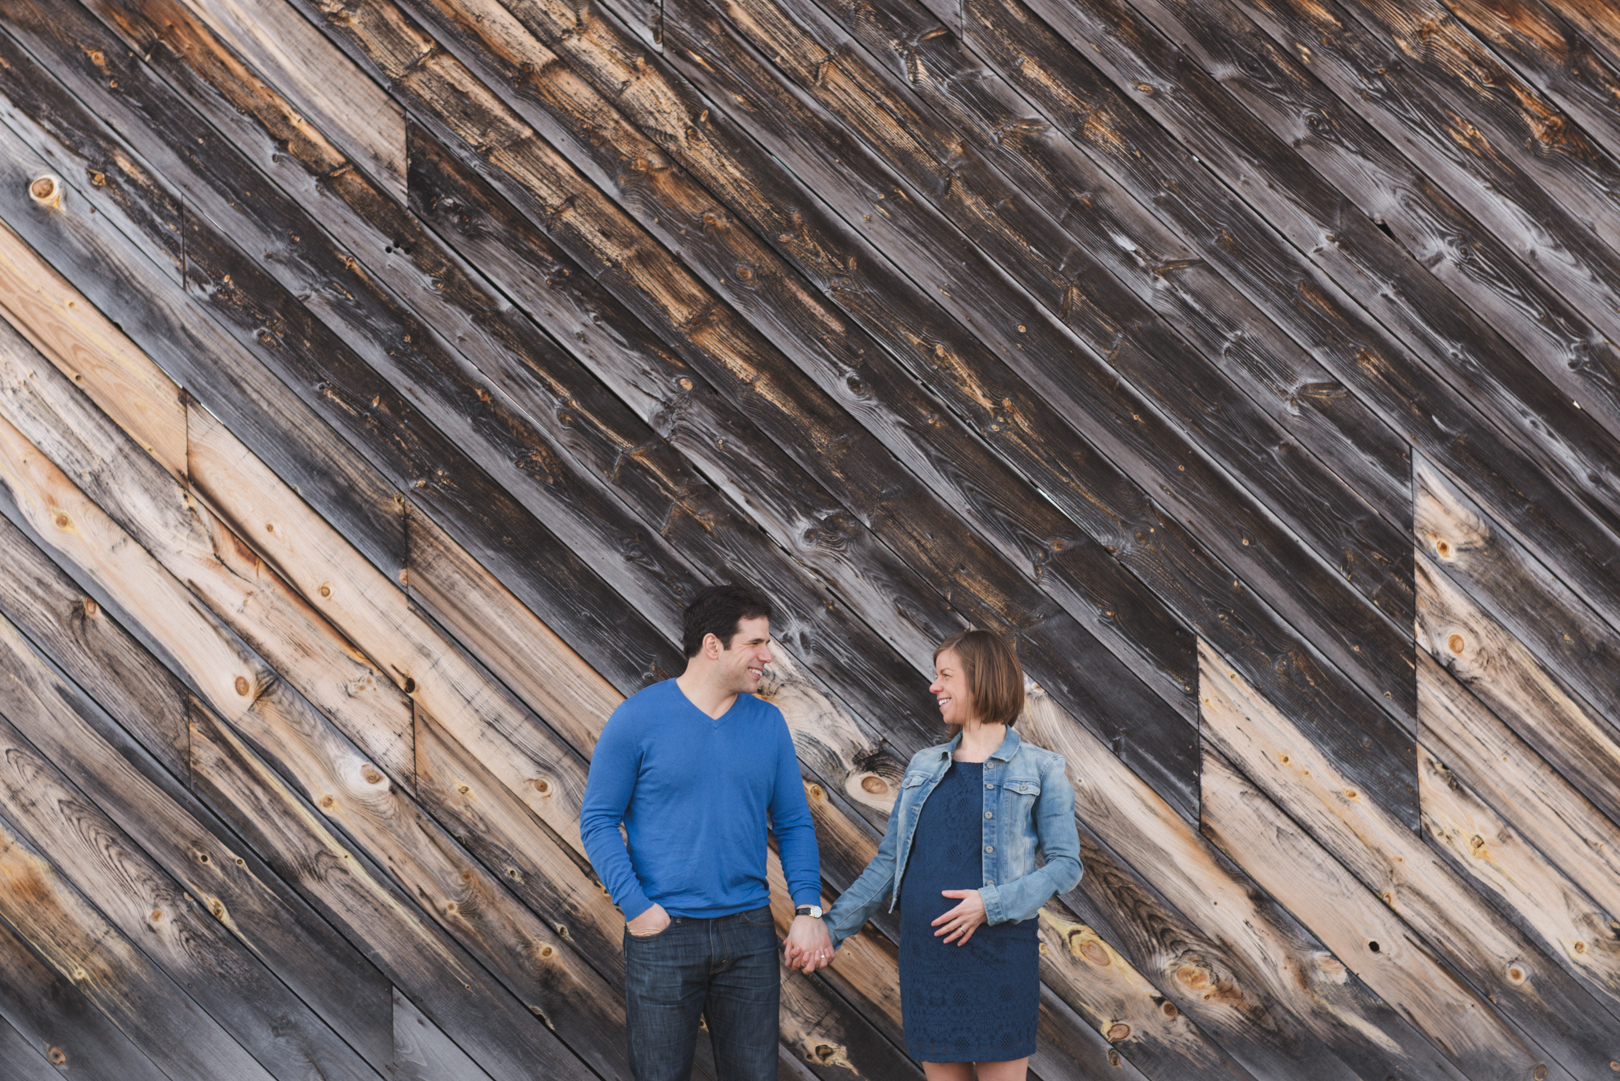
[377, 378]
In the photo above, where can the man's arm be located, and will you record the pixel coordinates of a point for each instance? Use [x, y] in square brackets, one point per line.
[807, 942]
[612, 781]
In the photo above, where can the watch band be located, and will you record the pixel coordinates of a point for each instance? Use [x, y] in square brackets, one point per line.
[813, 911]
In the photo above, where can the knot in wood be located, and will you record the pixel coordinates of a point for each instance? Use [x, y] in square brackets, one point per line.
[1118, 1031]
[546, 951]
[327, 802]
[1540, 1073]
[62, 521]
[243, 686]
[1456, 643]
[1442, 548]
[371, 775]
[157, 915]
[326, 589]
[91, 608]
[57, 1056]
[875, 784]
[46, 191]
[542, 786]
[1515, 975]
[1169, 1009]
[1580, 947]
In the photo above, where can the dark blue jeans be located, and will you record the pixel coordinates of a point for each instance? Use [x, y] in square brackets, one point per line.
[725, 970]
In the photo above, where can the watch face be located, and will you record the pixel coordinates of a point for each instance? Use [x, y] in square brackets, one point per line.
[813, 911]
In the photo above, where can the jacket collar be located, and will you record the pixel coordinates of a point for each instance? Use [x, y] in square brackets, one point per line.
[1003, 753]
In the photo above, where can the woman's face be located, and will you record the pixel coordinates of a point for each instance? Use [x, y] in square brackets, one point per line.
[950, 689]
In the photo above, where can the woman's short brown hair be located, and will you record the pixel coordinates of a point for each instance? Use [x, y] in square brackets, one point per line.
[994, 677]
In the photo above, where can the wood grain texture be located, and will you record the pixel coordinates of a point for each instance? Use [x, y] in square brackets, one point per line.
[27, 1062]
[87, 348]
[96, 256]
[186, 933]
[1240, 965]
[87, 950]
[1353, 921]
[1506, 579]
[1160, 370]
[422, 1051]
[1318, 304]
[198, 852]
[331, 93]
[445, 982]
[1540, 803]
[1503, 674]
[1529, 989]
[1524, 884]
[1402, 152]
[1546, 49]
[58, 1020]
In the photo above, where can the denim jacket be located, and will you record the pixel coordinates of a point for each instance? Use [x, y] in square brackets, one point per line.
[1028, 804]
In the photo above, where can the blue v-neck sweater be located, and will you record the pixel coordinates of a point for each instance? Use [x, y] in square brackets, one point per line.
[696, 795]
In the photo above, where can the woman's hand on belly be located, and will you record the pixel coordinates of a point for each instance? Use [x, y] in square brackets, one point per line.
[959, 923]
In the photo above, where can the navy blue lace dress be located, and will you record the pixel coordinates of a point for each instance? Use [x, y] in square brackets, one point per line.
[973, 1003]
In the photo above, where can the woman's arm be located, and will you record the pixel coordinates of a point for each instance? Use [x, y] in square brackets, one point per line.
[857, 904]
[1059, 840]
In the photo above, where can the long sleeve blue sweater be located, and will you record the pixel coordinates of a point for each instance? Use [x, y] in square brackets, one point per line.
[696, 796]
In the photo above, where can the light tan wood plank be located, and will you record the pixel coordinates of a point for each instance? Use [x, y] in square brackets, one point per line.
[1573, 929]
[91, 351]
[1540, 803]
[1414, 882]
[1502, 673]
[1358, 927]
[333, 94]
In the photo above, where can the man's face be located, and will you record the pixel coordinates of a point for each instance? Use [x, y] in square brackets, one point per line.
[750, 651]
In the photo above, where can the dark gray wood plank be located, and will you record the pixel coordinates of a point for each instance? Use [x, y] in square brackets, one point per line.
[148, 1004]
[57, 1021]
[1444, 420]
[23, 1061]
[1388, 133]
[1218, 446]
[147, 802]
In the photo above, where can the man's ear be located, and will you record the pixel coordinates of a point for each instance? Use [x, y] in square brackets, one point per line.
[712, 646]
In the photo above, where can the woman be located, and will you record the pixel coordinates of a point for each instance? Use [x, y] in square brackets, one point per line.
[959, 859]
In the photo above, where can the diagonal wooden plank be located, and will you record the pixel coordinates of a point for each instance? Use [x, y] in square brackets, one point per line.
[28, 1061]
[1438, 907]
[163, 824]
[1524, 884]
[1237, 963]
[1481, 654]
[318, 80]
[1416, 397]
[1547, 49]
[59, 1021]
[112, 972]
[188, 934]
[1357, 926]
[422, 1052]
[1543, 805]
[1507, 580]
[1394, 147]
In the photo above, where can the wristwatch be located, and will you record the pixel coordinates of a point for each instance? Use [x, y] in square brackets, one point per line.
[813, 911]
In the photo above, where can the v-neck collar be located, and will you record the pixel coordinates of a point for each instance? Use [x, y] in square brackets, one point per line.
[714, 722]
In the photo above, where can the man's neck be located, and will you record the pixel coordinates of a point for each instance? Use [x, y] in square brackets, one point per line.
[706, 693]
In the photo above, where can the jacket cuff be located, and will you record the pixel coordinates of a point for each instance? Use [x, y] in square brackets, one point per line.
[993, 909]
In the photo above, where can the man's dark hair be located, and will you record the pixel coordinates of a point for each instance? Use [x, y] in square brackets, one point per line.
[717, 610]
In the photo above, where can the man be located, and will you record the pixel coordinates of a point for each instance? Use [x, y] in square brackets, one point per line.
[695, 767]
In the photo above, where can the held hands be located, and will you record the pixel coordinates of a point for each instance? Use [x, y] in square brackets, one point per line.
[961, 921]
[808, 946]
[649, 923]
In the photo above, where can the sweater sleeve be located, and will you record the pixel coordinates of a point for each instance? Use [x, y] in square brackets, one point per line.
[794, 828]
[612, 781]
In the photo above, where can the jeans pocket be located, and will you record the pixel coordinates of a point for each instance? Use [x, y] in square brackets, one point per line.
[757, 917]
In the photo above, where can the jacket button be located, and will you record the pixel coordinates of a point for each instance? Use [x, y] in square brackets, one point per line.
[989, 848]
[990, 786]
[989, 882]
[989, 814]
